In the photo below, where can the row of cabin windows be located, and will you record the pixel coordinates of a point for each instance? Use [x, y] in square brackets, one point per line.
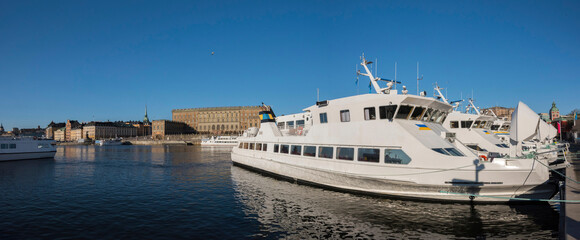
[504, 127]
[468, 124]
[388, 112]
[8, 146]
[291, 124]
[394, 156]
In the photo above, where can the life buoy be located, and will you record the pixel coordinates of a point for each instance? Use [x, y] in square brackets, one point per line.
[299, 131]
[483, 157]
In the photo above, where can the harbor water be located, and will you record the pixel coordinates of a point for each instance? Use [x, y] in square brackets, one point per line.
[192, 192]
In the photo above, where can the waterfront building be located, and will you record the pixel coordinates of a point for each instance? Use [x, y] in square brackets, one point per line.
[219, 120]
[59, 134]
[70, 125]
[52, 127]
[501, 112]
[161, 128]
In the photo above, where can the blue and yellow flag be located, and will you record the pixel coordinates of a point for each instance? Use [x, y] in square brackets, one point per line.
[423, 127]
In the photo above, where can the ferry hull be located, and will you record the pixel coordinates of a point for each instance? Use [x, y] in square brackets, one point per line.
[393, 188]
[26, 156]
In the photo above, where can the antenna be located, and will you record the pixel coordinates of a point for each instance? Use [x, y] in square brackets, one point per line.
[418, 78]
[395, 75]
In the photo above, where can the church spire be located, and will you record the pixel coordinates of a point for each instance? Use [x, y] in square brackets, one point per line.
[146, 118]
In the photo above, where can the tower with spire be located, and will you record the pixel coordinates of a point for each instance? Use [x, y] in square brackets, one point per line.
[146, 118]
[1, 128]
[554, 112]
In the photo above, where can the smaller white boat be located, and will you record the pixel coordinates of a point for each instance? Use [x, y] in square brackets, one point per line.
[220, 141]
[109, 142]
[26, 148]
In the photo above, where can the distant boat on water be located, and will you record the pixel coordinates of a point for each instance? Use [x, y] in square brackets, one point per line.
[109, 142]
[26, 148]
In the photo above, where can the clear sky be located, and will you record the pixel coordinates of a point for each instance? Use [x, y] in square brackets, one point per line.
[105, 60]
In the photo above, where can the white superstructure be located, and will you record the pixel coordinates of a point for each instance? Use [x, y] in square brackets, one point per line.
[25, 148]
[385, 144]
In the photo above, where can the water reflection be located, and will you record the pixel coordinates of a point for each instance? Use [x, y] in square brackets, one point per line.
[289, 210]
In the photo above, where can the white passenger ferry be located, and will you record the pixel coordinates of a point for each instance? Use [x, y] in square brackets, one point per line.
[26, 148]
[220, 141]
[385, 144]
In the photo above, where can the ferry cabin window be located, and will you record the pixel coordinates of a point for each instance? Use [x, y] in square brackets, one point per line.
[245, 145]
[396, 156]
[284, 149]
[466, 124]
[476, 147]
[258, 146]
[494, 127]
[3, 146]
[252, 146]
[403, 112]
[441, 117]
[241, 145]
[344, 116]
[454, 152]
[505, 127]
[417, 113]
[345, 153]
[476, 124]
[265, 147]
[434, 115]
[387, 112]
[427, 115]
[325, 152]
[296, 150]
[454, 124]
[370, 113]
[299, 123]
[13, 145]
[276, 148]
[440, 150]
[368, 155]
[281, 125]
[488, 125]
[323, 118]
[309, 151]
[290, 124]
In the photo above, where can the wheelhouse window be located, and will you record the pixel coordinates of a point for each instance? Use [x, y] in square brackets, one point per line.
[296, 150]
[505, 127]
[396, 156]
[417, 113]
[325, 152]
[323, 118]
[494, 127]
[345, 153]
[368, 155]
[309, 151]
[345, 116]
[276, 148]
[265, 147]
[476, 124]
[466, 124]
[387, 112]
[427, 115]
[434, 115]
[441, 117]
[403, 112]
[454, 124]
[370, 113]
[299, 123]
[476, 147]
[284, 149]
[454, 152]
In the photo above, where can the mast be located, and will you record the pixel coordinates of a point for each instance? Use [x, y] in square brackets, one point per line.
[374, 80]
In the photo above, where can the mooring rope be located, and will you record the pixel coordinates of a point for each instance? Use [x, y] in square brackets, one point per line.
[554, 170]
[512, 198]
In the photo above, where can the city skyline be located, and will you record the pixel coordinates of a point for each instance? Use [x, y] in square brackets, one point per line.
[106, 60]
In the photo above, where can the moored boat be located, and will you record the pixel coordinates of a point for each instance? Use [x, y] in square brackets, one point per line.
[26, 148]
[220, 141]
[386, 144]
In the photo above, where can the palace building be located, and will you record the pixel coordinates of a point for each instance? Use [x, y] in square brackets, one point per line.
[219, 120]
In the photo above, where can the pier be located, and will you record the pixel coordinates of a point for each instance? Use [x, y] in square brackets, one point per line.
[570, 212]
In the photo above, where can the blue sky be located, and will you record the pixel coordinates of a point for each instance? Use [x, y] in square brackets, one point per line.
[105, 60]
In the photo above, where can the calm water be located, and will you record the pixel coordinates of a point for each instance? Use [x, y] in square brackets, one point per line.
[189, 192]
